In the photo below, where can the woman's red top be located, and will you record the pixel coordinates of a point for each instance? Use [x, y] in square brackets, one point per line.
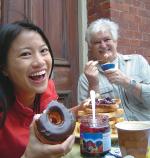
[14, 135]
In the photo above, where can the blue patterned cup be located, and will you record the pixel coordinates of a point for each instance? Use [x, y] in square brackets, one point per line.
[107, 66]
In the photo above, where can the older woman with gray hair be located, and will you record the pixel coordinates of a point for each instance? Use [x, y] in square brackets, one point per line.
[129, 80]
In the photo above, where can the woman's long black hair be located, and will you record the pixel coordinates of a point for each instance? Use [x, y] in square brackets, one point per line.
[8, 34]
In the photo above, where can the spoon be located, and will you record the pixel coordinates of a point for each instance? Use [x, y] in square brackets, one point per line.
[92, 96]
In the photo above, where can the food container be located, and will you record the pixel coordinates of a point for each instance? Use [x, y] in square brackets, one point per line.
[95, 136]
[107, 66]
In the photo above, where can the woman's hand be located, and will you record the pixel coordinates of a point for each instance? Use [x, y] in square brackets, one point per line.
[81, 106]
[36, 149]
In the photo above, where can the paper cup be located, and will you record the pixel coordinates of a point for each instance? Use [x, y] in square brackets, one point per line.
[133, 138]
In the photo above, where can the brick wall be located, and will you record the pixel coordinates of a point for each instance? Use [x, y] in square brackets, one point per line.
[133, 17]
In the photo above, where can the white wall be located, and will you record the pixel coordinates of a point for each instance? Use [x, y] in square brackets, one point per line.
[82, 26]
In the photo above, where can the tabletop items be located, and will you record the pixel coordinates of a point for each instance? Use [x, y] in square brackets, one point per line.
[114, 153]
[95, 139]
[95, 136]
[55, 125]
[105, 106]
[133, 138]
[107, 66]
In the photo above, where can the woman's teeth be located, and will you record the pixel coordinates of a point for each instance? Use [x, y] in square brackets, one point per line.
[38, 73]
[38, 76]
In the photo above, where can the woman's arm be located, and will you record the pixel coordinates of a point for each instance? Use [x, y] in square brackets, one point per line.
[81, 106]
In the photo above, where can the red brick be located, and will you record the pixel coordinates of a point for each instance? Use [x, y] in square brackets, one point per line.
[132, 34]
[133, 10]
[147, 5]
[120, 6]
[145, 44]
[146, 36]
[134, 43]
[105, 5]
[138, 3]
[133, 17]
[124, 42]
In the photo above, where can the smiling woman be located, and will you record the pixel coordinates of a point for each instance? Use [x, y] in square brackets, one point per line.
[35, 63]
[26, 64]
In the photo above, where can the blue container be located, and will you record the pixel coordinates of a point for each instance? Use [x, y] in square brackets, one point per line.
[107, 66]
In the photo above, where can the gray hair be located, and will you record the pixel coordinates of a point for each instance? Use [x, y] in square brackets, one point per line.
[102, 25]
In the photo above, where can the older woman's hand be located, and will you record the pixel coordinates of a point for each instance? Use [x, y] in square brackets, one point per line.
[117, 77]
[91, 71]
[36, 149]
